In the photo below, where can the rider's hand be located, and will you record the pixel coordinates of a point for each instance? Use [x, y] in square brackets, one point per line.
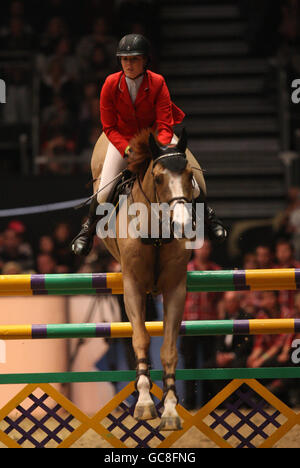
[128, 152]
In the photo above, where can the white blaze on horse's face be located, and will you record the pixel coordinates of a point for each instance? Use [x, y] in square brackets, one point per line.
[181, 215]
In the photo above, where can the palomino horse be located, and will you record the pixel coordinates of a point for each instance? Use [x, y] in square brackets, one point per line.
[163, 175]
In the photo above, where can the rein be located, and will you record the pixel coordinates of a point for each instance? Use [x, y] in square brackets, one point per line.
[92, 197]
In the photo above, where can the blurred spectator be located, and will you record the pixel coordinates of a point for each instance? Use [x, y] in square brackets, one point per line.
[57, 147]
[232, 350]
[89, 126]
[46, 245]
[199, 306]
[57, 119]
[56, 82]
[18, 107]
[55, 30]
[65, 10]
[202, 306]
[100, 37]
[62, 237]
[292, 204]
[249, 261]
[297, 306]
[15, 9]
[98, 66]
[248, 299]
[45, 264]
[285, 257]
[88, 146]
[91, 9]
[264, 257]
[271, 350]
[286, 357]
[1, 241]
[85, 268]
[91, 90]
[17, 226]
[18, 37]
[14, 249]
[11, 268]
[267, 348]
[62, 269]
[295, 229]
[63, 51]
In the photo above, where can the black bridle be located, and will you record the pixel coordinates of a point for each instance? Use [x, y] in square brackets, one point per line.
[157, 160]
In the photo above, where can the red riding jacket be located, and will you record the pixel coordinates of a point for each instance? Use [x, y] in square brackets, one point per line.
[121, 119]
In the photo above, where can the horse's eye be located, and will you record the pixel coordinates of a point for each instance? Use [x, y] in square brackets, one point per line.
[191, 176]
[158, 179]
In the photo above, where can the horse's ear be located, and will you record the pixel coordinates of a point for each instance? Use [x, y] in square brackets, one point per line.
[182, 143]
[155, 149]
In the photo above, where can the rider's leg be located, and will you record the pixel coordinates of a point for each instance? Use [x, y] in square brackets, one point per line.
[83, 242]
[113, 164]
[216, 230]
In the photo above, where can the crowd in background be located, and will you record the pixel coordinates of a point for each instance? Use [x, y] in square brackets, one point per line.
[72, 45]
[241, 351]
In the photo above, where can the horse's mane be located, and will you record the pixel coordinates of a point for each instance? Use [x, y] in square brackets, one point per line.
[138, 161]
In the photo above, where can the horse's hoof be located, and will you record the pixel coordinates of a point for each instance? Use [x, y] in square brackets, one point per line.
[170, 423]
[145, 412]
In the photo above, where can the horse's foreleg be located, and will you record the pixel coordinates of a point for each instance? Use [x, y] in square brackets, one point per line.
[135, 304]
[173, 311]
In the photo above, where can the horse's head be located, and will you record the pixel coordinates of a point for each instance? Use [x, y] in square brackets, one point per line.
[173, 180]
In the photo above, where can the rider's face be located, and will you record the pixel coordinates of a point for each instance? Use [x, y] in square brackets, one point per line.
[133, 66]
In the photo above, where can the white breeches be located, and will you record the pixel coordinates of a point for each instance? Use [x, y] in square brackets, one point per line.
[113, 164]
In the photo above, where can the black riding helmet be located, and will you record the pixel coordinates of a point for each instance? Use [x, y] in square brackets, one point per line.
[133, 44]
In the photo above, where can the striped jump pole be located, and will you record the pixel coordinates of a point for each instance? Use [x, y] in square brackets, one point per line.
[112, 283]
[124, 330]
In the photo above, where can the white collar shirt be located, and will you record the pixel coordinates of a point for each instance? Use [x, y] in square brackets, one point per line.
[134, 86]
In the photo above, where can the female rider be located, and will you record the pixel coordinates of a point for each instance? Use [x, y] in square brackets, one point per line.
[131, 100]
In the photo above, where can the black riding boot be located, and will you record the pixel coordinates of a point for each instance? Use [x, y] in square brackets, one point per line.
[216, 230]
[82, 244]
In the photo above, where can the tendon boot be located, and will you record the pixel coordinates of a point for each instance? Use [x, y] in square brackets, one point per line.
[82, 244]
[215, 228]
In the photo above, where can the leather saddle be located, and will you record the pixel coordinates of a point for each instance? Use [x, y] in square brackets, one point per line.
[122, 186]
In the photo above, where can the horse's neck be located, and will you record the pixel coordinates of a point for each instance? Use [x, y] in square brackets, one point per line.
[148, 189]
